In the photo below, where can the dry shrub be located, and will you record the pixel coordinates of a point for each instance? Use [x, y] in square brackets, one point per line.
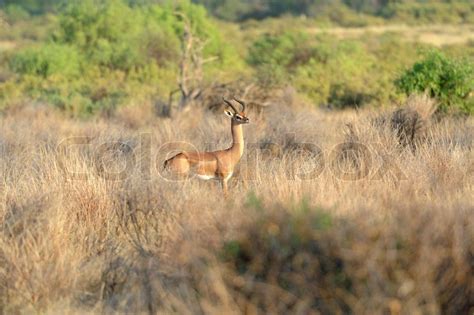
[287, 263]
[134, 117]
[398, 264]
[279, 138]
[411, 122]
[353, 156]
[304, 260]
[257, 97]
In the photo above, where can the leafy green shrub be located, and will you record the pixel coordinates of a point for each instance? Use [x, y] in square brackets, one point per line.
[107, 33]
[339, 73]
[350, 72]
[47, 60]
[113, 34]
[449, 80]
[353, 73]
[274, 55]
[15, 13]
[105, 53]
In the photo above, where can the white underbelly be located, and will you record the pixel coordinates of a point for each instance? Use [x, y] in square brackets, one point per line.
[208, 177]
[205, 177]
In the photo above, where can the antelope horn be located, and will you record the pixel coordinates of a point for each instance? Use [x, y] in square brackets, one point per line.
[230, 104]
[241, 103]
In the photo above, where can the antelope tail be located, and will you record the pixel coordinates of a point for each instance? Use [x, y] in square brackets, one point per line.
[165, 163]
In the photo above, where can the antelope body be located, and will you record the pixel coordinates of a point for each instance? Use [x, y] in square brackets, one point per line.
[217, 164]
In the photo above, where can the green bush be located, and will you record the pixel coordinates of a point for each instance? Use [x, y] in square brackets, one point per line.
[105, 53]
[350, 71]
[107, 33]
[113, 34]
[47, 60]
[449, 80]
[16, 13]
[340, 73]
[275, 55]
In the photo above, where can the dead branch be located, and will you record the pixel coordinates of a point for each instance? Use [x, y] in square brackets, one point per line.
[190, 76]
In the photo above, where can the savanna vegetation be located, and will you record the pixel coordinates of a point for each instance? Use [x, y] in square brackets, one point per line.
[354, 194]
[87, 57]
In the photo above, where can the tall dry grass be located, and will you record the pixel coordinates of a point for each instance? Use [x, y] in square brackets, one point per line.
[374, 226]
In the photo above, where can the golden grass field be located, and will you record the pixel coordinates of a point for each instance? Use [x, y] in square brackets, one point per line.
[384, 226]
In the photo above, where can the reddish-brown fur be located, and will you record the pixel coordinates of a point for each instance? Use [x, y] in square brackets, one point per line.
[217, 164]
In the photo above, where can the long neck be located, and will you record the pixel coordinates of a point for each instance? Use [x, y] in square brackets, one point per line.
[237, 140]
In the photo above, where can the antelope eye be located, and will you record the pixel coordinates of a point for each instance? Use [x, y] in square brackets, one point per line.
[238, 117]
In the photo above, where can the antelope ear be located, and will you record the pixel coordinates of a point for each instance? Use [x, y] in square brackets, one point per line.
[228, 113]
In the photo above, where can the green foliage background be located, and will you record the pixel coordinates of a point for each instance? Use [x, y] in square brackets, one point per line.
[451, 81]
[86, 56]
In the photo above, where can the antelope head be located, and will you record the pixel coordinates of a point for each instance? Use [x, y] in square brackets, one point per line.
[237, 117]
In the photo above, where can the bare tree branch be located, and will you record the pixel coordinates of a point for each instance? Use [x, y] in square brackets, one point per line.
[190, 76]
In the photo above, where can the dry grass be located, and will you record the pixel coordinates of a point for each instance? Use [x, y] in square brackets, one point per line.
[437, 35]
[386, 229]
[7, 45]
